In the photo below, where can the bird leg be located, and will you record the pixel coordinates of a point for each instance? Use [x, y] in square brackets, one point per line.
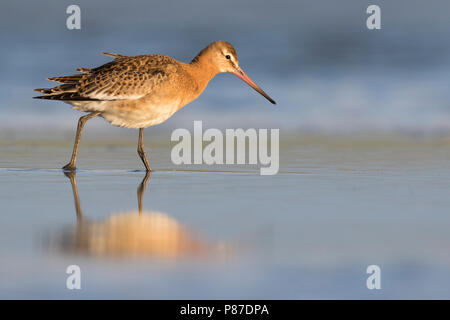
[73, 181]
[141, 151]
[71, 165]
[141, 190]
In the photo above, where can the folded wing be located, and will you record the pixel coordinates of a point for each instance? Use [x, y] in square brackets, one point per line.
[123, 78]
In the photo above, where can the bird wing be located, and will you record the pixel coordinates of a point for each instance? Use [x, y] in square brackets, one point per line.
[123, 78]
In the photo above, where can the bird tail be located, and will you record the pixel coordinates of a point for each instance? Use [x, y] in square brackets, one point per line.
[69, 96]
[62, 92]
[58, 89]
[67, 79]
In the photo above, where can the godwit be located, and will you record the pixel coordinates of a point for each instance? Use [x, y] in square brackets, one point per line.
[142, 91]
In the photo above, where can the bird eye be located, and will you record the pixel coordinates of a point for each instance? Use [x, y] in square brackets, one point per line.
[228, 57]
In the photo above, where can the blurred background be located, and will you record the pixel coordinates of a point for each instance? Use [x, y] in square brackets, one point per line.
[325, 69]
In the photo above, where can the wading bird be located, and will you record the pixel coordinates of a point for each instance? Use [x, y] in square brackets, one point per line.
[142, 91]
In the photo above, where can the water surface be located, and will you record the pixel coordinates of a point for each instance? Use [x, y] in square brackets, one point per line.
[338, 204]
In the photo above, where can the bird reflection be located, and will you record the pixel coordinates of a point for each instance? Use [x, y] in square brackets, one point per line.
[134, 233]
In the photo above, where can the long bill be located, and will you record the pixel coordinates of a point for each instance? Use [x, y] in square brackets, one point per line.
[241, 74]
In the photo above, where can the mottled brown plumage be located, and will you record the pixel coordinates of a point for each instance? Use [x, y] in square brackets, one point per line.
[142, 91]
[123, 78]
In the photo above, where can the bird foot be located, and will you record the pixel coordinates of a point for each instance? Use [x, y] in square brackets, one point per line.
[69, 167]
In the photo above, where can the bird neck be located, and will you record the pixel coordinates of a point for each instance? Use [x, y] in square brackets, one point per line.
[203, 68]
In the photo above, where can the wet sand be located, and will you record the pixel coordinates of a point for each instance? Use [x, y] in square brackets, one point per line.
[338, 204]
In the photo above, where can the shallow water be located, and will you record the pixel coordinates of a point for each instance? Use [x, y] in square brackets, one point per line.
[338, 205]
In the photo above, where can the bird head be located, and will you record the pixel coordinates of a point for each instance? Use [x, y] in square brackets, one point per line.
[223, 56]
